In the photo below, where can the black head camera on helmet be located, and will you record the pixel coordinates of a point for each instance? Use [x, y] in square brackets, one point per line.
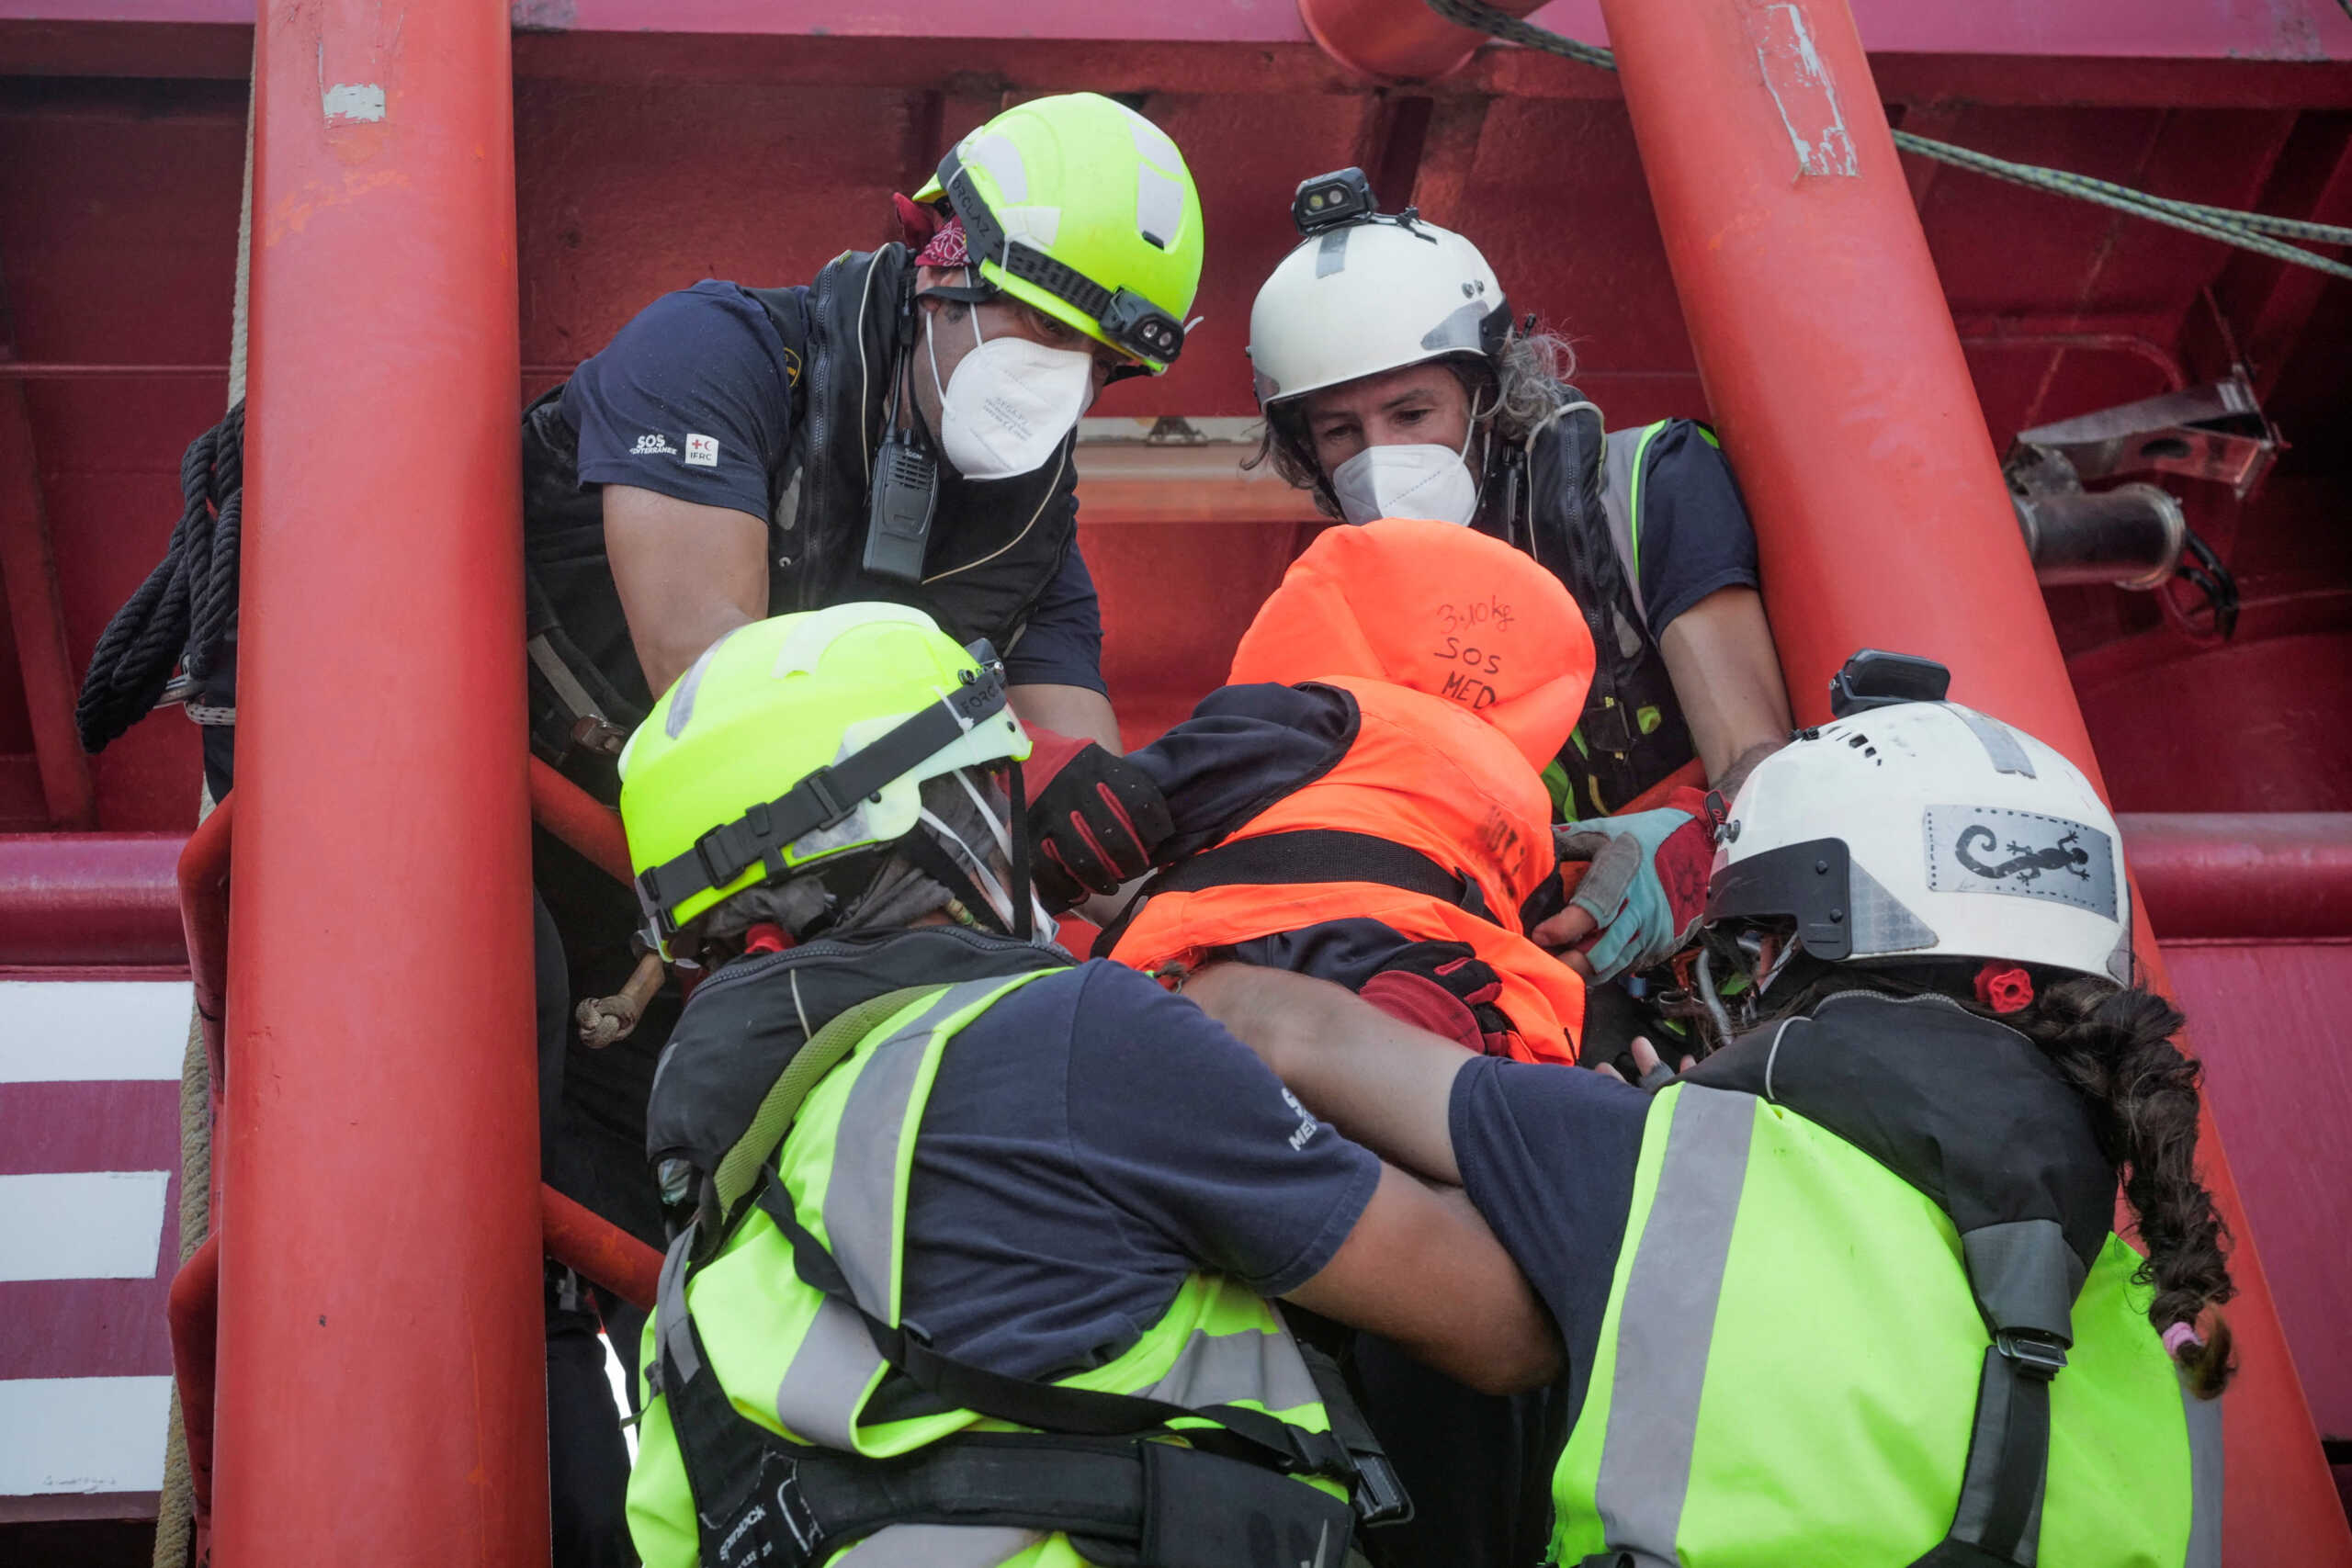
[1329, 200]
[1344, 197]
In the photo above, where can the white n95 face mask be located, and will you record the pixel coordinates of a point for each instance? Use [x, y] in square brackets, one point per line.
[1009, 403]
[1429, 482]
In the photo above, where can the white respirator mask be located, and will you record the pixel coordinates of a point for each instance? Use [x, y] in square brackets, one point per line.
[1009, 403]
[1411, 480]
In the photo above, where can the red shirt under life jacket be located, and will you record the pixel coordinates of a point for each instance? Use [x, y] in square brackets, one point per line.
[1468, 664]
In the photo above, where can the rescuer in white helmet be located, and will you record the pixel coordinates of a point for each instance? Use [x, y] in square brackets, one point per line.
[1849, 1291]
[1396, 383]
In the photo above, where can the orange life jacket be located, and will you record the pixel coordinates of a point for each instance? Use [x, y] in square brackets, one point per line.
[1468, 664]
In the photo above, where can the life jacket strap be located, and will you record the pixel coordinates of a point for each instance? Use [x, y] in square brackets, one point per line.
[1308, 854]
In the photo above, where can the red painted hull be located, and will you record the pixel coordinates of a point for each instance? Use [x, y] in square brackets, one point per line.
[654, 145]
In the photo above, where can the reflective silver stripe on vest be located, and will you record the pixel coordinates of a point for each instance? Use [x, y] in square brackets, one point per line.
[1622, 452]
[670, 1307]
[1219, 1369]
[937, 1546]
[1666, 1322]
[2204, 1418]
[861, 1220]
[825, 1385]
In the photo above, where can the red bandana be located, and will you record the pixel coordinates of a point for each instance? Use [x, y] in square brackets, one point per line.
[936, 240]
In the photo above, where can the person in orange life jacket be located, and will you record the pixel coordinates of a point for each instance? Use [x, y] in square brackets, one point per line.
[1361, 800]
[1364, 804]
[1395, 382]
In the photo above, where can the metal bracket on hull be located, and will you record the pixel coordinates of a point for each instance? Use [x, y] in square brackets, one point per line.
[2217, 431]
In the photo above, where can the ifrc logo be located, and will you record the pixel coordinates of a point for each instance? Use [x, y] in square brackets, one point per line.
[653, 446]
[701, 452]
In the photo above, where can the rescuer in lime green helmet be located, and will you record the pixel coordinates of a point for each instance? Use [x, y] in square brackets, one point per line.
[898, 427]
[1849, 1290]
[947, 1200]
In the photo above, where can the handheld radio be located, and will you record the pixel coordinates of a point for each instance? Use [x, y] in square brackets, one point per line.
[905, 490]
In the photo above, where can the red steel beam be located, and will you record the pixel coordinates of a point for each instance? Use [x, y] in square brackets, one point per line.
[194, 1310]
[2274, 875]
[582, 1239]
[202, 873]
[382, 1390]
[28, 568]
[1830, 361]
[85, 899]
[581, 820]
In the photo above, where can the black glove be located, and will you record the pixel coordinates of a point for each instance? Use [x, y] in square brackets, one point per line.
[1096, 819]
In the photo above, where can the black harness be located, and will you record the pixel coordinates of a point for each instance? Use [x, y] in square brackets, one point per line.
[1095, 1465]
[1306, 855]
[1567, 530]
[995, 547]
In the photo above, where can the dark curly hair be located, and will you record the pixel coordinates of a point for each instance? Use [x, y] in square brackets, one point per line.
[2116, 1046]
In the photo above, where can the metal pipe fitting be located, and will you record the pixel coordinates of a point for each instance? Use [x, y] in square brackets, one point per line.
[2130, 536]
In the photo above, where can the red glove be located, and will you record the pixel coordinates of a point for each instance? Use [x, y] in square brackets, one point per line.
[1096, 818]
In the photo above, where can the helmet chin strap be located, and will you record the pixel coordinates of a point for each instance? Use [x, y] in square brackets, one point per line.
[1010, 909]
[1486, 439]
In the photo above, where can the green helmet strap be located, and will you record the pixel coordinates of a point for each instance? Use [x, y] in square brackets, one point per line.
[1134, 323]
[763, 834]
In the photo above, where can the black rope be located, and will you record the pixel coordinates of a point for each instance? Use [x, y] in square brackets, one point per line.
[186, 608]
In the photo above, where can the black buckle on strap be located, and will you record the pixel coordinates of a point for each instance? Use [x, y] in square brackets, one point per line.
[2035, 1358]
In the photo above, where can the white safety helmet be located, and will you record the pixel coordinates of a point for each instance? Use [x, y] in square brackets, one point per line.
[1925, 829]
[1371, 295]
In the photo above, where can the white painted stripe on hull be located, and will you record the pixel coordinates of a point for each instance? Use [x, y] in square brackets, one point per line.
[81, 1434]
[89, 1225]
[93, 1031]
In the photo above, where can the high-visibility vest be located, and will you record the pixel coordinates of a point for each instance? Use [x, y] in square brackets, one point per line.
[772, 1399]
[1793, 1368]
[1467, 663]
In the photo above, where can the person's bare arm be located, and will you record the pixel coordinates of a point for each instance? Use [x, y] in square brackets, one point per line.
[1422, 1268]
[687, 575]
[1727, 676]
[1079, 712]
[1384, 1084]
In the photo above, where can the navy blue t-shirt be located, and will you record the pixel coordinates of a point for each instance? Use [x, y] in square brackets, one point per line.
[1695, 536]
[693, 400]
[1547, 1154]
[1090, 1141]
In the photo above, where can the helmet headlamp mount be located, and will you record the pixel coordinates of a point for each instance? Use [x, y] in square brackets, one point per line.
[1338, 199]
[1876, 679]
[1326, 201]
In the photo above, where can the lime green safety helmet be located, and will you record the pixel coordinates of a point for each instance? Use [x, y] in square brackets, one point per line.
[1082, 207]
[798, 739]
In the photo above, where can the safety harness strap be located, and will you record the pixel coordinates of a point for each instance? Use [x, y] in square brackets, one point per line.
[1238, 1432]
[759, 1499]
[1999, 1517]
[763, 834]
